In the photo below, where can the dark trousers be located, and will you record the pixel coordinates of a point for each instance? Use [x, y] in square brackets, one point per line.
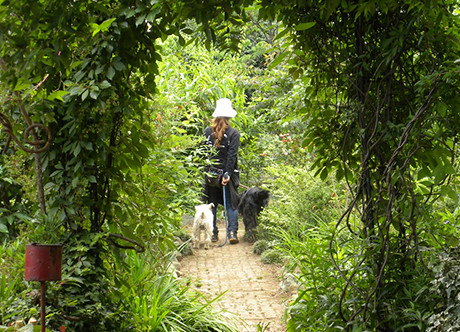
[216, 196]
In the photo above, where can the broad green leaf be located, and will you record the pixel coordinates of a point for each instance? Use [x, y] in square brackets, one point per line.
[79, 75]
[93, 94]
[324, 173]
[77, 149]
[104, 84]
[278, 60]
[23, 217]
[22, 86]
[339, 175]
[119, 65]
[8, 180]
[439, 174]
[99, 70]
[304, 26]
[57, 95]
[282, 33]
[84, 94]
[104, 26]
[140, 20]
[110, 73]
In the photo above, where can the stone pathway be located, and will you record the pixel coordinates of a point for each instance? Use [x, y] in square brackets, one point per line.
[252, 288]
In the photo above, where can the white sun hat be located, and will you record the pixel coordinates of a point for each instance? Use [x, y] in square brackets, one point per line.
[224, 109]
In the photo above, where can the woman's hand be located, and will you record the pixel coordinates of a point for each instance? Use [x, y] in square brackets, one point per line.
[225, 179]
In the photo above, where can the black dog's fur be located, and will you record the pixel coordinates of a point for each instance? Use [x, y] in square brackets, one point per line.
[252, 201]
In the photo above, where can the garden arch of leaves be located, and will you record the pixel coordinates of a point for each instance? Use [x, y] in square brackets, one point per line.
[381, 105]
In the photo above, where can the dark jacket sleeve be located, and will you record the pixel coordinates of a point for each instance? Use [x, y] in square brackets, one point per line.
[232, 167]
[232, 154]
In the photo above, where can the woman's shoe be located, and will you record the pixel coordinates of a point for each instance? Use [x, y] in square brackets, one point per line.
[214, 238]
[233, 238]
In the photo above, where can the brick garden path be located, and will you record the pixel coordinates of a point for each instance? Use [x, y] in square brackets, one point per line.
[252, 288]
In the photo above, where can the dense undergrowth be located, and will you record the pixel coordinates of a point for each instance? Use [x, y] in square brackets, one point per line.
[300, 223]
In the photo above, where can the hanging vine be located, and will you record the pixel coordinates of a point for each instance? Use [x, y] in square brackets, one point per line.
[38, 145]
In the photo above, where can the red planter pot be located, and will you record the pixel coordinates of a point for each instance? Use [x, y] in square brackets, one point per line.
[43, 262]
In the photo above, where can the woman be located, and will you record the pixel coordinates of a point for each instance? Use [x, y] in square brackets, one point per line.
[225, 140]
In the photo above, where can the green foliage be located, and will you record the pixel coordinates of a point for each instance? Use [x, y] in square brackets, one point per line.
[159, 302]
[11, 284]
[85, 291]
[14, 203]
[197, 76]
[272, 256]
[297, 197]
[16, 299]
[368, 89]
[260, 246]
[7, 293]
[115, 172]
[270, 149]
[25, 328]
[299, 220]
[442, 224]
[99, 72]
[446, 288]
[316, 306]
[375, 124]
[82, 300]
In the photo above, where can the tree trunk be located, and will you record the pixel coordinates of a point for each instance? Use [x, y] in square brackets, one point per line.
[362, 83]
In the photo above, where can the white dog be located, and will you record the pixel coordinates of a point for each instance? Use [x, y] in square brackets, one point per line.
[203, 221]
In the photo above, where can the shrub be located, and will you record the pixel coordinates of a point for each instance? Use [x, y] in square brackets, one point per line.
[301, 219]
[298, 198]
[15, 294]
[260, 246]
[272, 256]
[156, 301]
[298, 219]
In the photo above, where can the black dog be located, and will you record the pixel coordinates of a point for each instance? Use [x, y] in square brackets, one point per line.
[252, 201]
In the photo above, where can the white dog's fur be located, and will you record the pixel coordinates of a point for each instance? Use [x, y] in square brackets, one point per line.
[203, 221]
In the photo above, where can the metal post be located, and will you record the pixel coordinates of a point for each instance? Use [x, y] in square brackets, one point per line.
[42, 305]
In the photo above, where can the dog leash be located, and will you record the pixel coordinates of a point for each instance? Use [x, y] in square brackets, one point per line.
[226, 221]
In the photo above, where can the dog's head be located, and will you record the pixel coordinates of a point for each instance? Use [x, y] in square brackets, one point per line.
[202, 210]
[262, 197]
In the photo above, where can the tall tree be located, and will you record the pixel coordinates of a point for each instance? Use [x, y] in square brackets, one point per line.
[383, 113]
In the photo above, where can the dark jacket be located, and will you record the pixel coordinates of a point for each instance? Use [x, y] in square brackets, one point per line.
[227, 159]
